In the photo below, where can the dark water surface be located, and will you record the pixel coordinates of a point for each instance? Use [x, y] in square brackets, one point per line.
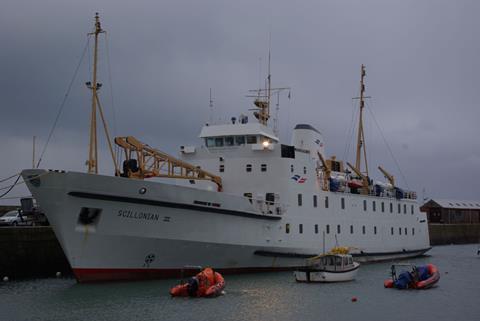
[263, 296]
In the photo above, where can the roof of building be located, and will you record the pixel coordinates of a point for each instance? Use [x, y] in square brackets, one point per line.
[237, 129]
[455, 204]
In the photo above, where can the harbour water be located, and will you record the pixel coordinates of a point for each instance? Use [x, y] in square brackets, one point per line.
[262, 296]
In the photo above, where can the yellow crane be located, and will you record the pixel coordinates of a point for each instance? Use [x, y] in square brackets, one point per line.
[143, 161]
[387, 175]
[363, 177]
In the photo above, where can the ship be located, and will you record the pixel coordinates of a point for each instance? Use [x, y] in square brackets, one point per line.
[242, 201]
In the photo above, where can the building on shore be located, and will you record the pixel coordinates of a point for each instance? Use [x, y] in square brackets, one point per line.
[448, 211]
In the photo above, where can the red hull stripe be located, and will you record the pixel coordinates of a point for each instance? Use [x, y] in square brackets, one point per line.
[105, 275]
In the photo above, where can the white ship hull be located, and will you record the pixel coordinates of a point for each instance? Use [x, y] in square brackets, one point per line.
[168, 228]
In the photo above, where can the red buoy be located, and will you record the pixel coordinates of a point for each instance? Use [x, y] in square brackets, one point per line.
[354, 299]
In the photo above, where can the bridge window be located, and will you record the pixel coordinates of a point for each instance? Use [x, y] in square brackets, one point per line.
[299, 199]
[406, 231]
[304, 170]
[263, 167]
[229, 141]
[399, 208]
[363, 229]
[239, 140]
[374, 230]
[391, 208]
[210, 142]
[383, 207]
[291, 168]
[413, 231]
[326, 201]
[218, 141]
[351, 229]
[404, 208]
[328, 229]
[364, 205]
[249, 167]
[287, 228]
[222, 168]
[342, 201]
[338, 229]
[251, 139]
[316, 228]
[399, 231]
[391, 230]
[374, 206]
[314, 200]
[412, 210]
[300, 228]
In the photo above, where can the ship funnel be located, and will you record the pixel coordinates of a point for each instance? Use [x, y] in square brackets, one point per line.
[306, 137]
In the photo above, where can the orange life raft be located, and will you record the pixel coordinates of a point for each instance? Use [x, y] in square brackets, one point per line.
[205, 284]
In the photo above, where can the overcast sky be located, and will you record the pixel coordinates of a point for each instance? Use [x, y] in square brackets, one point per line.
[422, 59]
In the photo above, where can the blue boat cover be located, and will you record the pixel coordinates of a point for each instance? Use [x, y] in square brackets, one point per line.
[403, 280]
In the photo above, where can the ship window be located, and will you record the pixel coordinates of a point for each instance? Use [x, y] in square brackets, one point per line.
[342, 200]
[304, 170]
[374, 206]
[314, 200]
[404, 208]
[239, 140]
[316, 228]
[391, 230]
[251, 139]
[406, 233]
[287, 228]
[218, 141]
[351, 229]
[399, 208]
[326, 201]
[411, 209]
[383, 207]
[338, 229]
[413, 231]
[229, 141]
[299, 199]
[300, 228]
[291, 168]
[364, 205]
[374, 230]
[399, 231]
[222, 168]
[249, 167]
[263, 167]
[270, 198]
[328, 229]
[210, 142]
[249, 196]
[363, 229]
[391, 208]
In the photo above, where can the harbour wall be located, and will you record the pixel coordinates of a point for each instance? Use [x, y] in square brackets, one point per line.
[31, 252]
[441, 234]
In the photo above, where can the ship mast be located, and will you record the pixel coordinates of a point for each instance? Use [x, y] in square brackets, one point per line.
[94, 86]
[361, 135]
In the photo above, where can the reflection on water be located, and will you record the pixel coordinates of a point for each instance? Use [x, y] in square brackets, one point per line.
[263, 296]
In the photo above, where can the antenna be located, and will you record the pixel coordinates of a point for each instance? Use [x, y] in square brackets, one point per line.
[211, 107]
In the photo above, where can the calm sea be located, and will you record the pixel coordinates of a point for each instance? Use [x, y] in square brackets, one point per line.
[263, 296]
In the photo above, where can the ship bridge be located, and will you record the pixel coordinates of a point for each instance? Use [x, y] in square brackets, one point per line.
[237, 134]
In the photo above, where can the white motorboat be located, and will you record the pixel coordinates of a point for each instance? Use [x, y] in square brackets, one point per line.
[328, 268]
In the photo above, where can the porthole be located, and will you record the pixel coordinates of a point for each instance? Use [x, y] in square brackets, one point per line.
[142, 191]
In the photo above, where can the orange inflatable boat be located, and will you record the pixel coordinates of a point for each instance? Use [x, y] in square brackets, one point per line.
[207, 283]
[421, 277]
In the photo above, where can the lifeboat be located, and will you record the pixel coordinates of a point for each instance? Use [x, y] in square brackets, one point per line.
[355, 183]
[417, 277]
[207, 283]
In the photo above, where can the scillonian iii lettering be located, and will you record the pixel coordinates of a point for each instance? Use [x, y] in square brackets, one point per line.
[138, 215]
